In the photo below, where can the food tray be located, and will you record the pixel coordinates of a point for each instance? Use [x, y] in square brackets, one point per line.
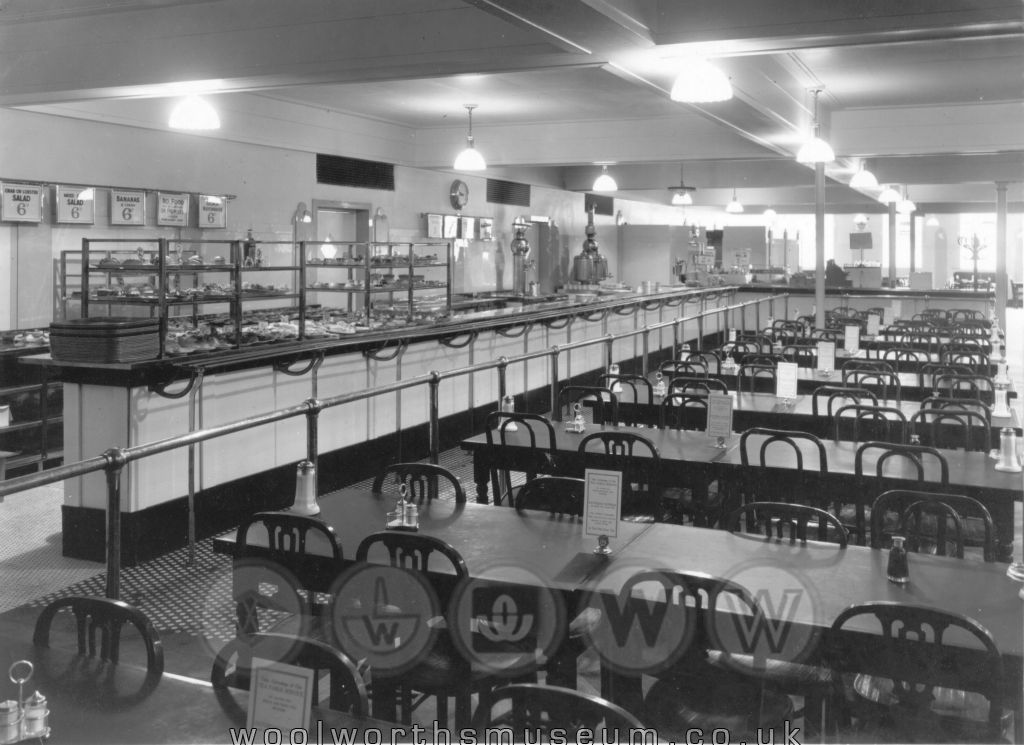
[105, 340]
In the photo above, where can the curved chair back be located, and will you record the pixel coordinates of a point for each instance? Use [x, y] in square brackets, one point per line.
[866, 365]
[788, 438]
[840, 393]
[538, 709]
[779, 520]
[930, 371]
[754, 373]
[887, 382]
[107, 617]
[684, 384]
[977, 527]
[558, 495]
[232, 667]
[531, 431]
[711, 361]
[640, 388]
[885, 423]
[691, 368]
[683, 411]
[638, 459]
[804, 355]
[905, 358]
[413, 551]
[423, 481]
[914, 454]
[980, 387]
[952, 427]
[287, 535]
[971, 404]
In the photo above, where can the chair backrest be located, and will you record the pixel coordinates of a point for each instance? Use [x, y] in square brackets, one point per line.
[685, 384]
[798, 522]
[232, 667]
[683, 411]
[885, 423]
[753, 373]
[788, 438]
[108, 617]
[640, 387]
[691, 368]
[887, 382]
[288, 534]
[971, 404]
[558, 495]
[784, 327]
[412, 551]
[905, 358]
[833, 335]
[867, 365]
[840, 393]
[952, 427]
[915, 454]
[963, 386]
[919, 648]
[934, 316]
[959, 315]
[929, 371]
[762, 341]
[535, 431]
[423, 481]
[600, 398]
[636, 457]
[765, 358]
[538, 709]
[711, 361]
[889, 508]
[804, 355]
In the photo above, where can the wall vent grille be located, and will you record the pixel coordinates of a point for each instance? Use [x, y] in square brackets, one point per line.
[508, 192]
[367, 174]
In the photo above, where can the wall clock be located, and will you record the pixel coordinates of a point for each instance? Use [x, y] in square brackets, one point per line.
[459, 194]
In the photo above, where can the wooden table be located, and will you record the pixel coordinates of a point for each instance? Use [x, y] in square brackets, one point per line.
[92, 702]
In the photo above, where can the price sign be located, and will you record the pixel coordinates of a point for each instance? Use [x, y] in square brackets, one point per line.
[172, 210]
[602, 502]
[826, 356]
[851, 339]
[75, 204]
[787, 374]
[211, 211]
[22, 203]
[719, 422]
[127, 207]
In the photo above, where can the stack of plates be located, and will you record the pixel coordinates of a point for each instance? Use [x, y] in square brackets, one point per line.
[105, 340]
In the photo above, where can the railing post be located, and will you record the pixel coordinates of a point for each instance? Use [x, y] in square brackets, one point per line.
[435, 424]
[116, 461]
[608, 353]
[556, 413]
[757, 317]
[313, 409]
[644, 364]
[502, 380]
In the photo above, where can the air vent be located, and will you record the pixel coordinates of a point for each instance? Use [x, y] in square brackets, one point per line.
[367, 174]
[508, 192]
[601, 205]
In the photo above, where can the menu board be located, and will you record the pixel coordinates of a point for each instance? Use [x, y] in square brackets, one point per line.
[602, 502]
[826, 356]
[786, 376]
[172, 209]
[435, 226]
[127, 207]
[75, 204]
[719, 421]
[22, 203]
[212, 212]
[851, 339]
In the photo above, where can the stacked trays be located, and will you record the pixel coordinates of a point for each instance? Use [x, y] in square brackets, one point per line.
[105, 340]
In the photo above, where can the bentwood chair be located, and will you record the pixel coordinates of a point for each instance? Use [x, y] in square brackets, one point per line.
[691, 368]
[635, 388]
[755, 373]
[888, 383]
[710, 360]
[774, 484]
[683, 411]
[914, 682]
[594, 400]
[952, 427]
[784, 520]
[532, 431]
[930, 371]
[964, 386]
[533, 710]
[688, 384]
[891, 514]
[233, 668]
[637, 458]
[840, 393]
[424, 482]
[561, 496]
[857, 423]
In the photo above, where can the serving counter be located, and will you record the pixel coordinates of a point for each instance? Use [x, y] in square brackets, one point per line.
[129, 404]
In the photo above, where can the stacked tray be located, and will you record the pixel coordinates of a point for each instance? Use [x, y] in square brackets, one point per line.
[105, 340]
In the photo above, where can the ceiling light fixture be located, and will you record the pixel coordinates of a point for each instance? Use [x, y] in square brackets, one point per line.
[604, 181]
[302, 214]
[932, 221]
[470, 159]
[770, 214]
[681, 194]
[815, 150]
[906, 205]
[700, 82]
[889, 195]
[193, 112]
[863, 179]
[734, 206]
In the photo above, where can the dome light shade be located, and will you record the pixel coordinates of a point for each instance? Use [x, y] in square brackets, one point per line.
[682, 198]
[889, 195]
[770, 214]
[734, 207]
[863, 179]
[605, 182]
[193, 112]
[470, 159]
[815, 150]
[701, 82]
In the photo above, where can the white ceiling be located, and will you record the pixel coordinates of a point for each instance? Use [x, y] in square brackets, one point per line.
[930, 92]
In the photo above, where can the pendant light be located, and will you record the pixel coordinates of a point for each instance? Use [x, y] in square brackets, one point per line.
[470, 159]
[734, 207]
[770, 215]
[681, 194]
[815, 150]
[906, 205]
[700, 82]
[604, 181]
[863, 179]
[889, 195]
[193, 112]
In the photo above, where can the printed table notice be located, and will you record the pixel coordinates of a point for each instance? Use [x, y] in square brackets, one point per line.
[851, 339]
[785, 386]
[172, 209]
[826, 356]
[719, 414]
[602, 502]
[280, 696]
[874, 324]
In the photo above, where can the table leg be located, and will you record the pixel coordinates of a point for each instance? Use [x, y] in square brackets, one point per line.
[481, 475]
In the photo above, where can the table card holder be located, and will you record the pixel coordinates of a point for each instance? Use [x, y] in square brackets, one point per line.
[851, 340]
[660, 388]
[719, 420]
[786, 375]
[826, 358]
[24, 718]
[406, 515]
[874, 325]
[577, 425]
[280, 697]
[602, 505]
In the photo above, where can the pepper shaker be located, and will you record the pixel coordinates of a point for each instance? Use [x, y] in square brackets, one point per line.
[898, 569]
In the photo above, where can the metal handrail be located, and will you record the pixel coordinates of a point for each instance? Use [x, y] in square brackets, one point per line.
[113, 460]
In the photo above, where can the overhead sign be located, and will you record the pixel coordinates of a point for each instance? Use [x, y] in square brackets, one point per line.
[22, 203]
[75, 204]
[172, 209]
[127, 207]
[212, 211]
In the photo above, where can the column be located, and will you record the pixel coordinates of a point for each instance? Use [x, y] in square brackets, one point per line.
[1002, 280]
[819, 245]
[892, 245]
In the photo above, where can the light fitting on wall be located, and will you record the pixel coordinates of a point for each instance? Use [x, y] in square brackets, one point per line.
[815, 150]
[700, 82]
[193, 112]
[734, 206]
[302, 214]
[906, 205]
[863, 179]
[470, 159]
[889, 195]
[604, 181]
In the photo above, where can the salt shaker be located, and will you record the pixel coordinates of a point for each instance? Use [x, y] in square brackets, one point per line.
[659, 386]
[898, 570]
[508, 406]
[37, 715]
[10, 721]
[613, 370]
[305, 490]
[579, 425]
